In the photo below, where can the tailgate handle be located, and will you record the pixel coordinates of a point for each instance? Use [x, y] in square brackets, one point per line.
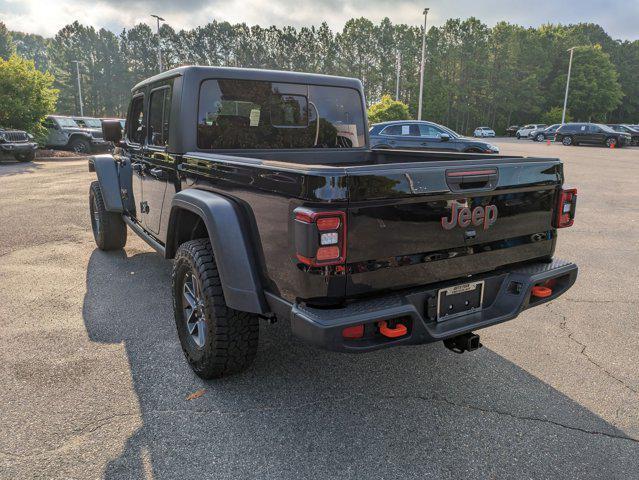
[481, 179]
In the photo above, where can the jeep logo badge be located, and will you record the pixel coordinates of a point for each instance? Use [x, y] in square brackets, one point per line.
[464, 217]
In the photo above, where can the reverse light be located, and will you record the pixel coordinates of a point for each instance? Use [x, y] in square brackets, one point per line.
[566, 206]
[320, 237]
[330, 238]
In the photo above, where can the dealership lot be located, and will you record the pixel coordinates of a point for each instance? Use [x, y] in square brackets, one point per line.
[93, 384]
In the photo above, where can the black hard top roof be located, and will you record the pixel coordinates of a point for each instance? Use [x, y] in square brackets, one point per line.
[198, 73]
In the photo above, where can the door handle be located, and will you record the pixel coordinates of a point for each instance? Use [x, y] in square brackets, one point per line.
[157, 173]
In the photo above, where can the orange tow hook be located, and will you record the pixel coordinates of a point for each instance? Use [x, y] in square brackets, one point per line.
[399, 330]
[541, 292]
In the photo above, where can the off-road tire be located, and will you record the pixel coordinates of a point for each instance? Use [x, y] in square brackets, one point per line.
[80, 145]
[109, 230]
[230, 342]
[25, 157]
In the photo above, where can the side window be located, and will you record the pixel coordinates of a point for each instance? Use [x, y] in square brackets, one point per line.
[48, 123]
[393, 130]
[135, 122]
[583, 128]
[407, 130]
[429, 131]
[159, 112]
[413, 130]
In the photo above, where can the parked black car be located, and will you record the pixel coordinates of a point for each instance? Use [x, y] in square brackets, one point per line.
[512, 130]
[633, 130]
[591, 133]
[17, 144]
[263, 188]
[421, 135]
[542, 134]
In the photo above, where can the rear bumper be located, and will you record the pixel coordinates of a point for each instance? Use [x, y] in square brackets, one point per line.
[507, 293]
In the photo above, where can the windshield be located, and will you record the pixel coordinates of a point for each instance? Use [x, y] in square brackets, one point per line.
[66, 122]
[605, 128]
[449, 131]
[89, 122]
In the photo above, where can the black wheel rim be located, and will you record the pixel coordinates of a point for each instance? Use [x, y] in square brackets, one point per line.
[95, 217]
[193, 310]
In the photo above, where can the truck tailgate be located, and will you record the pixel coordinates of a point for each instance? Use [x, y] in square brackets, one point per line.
[419, 223]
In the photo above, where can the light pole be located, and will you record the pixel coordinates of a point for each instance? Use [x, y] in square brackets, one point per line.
[77, 72]
[159, 19]
[421, 69]
[563, 115]
[399, 69]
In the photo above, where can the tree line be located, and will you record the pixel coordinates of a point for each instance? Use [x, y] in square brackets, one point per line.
[474, 74]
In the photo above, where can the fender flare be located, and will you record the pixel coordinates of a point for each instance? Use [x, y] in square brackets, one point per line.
[85, 136]
[223, 218]
[107, 171]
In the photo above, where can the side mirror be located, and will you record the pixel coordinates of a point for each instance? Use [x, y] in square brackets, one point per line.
[112, 131]
[444, 137]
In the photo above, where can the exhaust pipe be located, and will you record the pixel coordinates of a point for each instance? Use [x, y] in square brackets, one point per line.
[463, 343]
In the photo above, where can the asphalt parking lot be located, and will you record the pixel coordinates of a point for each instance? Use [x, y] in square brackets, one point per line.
[93, 383]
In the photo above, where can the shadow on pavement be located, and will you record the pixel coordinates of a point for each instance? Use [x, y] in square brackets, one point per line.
[10, 167]
[300, 412]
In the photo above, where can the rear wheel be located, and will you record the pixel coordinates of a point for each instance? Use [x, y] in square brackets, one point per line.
[80, 145]
[611, 142]
[567, 141]
[216, 340]
[518, 136]
[539, 138]
[109, 230]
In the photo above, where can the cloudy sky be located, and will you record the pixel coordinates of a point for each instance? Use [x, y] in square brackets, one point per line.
[620, 18]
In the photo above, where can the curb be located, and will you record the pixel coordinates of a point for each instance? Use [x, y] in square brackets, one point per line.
[60, 159]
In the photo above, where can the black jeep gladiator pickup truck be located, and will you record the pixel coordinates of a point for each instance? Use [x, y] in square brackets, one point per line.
[263, 189]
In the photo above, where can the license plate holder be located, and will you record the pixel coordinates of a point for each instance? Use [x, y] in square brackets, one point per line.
[459, 300]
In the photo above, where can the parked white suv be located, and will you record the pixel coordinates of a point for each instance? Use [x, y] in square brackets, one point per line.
[484, 132]
[526, 130]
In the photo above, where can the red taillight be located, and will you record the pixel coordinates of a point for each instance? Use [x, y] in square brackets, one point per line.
[566, 205]
[328, 223]
[327, 253]
[320, 237]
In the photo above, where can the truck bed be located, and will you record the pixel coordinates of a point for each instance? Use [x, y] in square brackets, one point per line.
[396, 203]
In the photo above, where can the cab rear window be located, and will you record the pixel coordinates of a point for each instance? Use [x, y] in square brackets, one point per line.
[247, 114]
